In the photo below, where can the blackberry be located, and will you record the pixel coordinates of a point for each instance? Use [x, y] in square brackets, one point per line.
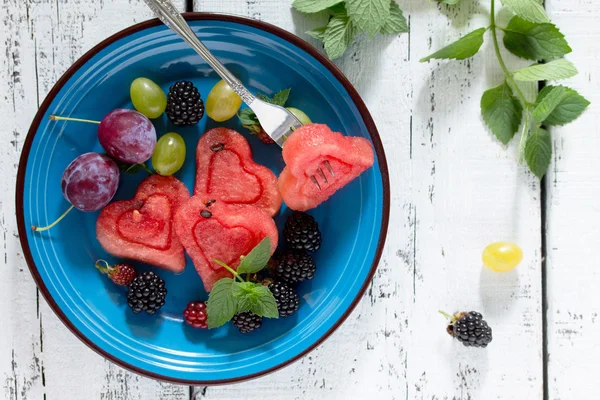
[470, 329]
[302, 232]
[147, 293]
[184, 105]
[195, 315]
[286, 298]
[247, 322]
[295, 266]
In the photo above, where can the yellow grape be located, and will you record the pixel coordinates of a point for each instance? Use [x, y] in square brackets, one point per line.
[502, 256]
[222, 102]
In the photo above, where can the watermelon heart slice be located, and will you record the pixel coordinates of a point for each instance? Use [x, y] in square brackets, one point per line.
[210, 229]
[226, 171]
[142, 228]
[304, 153]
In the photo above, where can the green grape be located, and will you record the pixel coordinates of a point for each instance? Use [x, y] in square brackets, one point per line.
[222, 103]
[300, 115]
[169, 154]
[147, 97]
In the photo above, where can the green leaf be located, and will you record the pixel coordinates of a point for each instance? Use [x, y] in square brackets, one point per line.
[531, 10]
[538, 151]
[395, 23]
[571, 106]
[257, 258]
[502, 112]
[281, 97]
[221, 305]
[338, 36]
[313, 6]
[554, 70]
[255, 298]
[247, 117]
[264, 304]
[548, 103]
[465, 47]
[318, 33]
[264, 97]
[533, 41]
[369, 16]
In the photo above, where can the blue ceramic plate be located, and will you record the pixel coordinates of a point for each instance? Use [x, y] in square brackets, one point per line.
[266, 59]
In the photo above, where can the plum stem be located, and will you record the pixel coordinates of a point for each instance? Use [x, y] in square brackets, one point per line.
[57, 118]
[45, 228]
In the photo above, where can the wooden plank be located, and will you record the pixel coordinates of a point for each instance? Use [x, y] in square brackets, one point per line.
[454, 190]
[573, 217]
[39, 358]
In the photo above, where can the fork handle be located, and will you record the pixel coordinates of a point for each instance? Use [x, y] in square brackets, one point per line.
[168, 14]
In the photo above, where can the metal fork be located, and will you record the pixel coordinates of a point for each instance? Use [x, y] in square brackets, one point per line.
[276, 121]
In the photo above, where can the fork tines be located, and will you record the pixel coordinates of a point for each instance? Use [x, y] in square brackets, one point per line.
[320, 172]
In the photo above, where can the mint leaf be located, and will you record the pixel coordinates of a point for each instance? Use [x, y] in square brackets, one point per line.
[318, 33]
[221, 305]
[395, 23]
[338, 36]
[264, 97]
[264, 304]
[571, 106]
[313, 6]
[257, 258]
[465, 47]
[548, 103]
[538, 151]
[369, 16]
[502, 112]
[533, 41]
[531, 10]
[559, 69]
[247, 117]
[281, 97]
[255, 298]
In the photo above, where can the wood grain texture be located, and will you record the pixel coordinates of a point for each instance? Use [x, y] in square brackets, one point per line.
[454, 190]
[573, 218]
[39, 357]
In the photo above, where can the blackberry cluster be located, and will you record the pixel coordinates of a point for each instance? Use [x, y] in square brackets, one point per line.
[471, 330]
[146, 293]
[302, 232]
[184, 105]
[247, 322]
[286, 298]
[295, 266]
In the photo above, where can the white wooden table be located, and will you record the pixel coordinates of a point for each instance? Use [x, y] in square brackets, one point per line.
[454, 190]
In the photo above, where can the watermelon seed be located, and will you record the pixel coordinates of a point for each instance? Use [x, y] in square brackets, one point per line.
[210, 203]
[205, 214]
[215, 148]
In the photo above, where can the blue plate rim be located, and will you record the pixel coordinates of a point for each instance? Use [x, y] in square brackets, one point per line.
[194, 16]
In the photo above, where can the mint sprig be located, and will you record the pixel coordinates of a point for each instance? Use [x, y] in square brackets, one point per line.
[349, 18]
[249, 119]
[230, 296]
[505, 109]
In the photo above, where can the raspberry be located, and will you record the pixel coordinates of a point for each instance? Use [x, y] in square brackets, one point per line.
[470, 329]
[184, 105]
[195, 315]
[302, 232]
[264, 137]
[121, 274]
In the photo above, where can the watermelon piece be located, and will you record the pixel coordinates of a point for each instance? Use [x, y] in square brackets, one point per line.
[142, 228]
[305, 151]
[211, 230]
[227, 172]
